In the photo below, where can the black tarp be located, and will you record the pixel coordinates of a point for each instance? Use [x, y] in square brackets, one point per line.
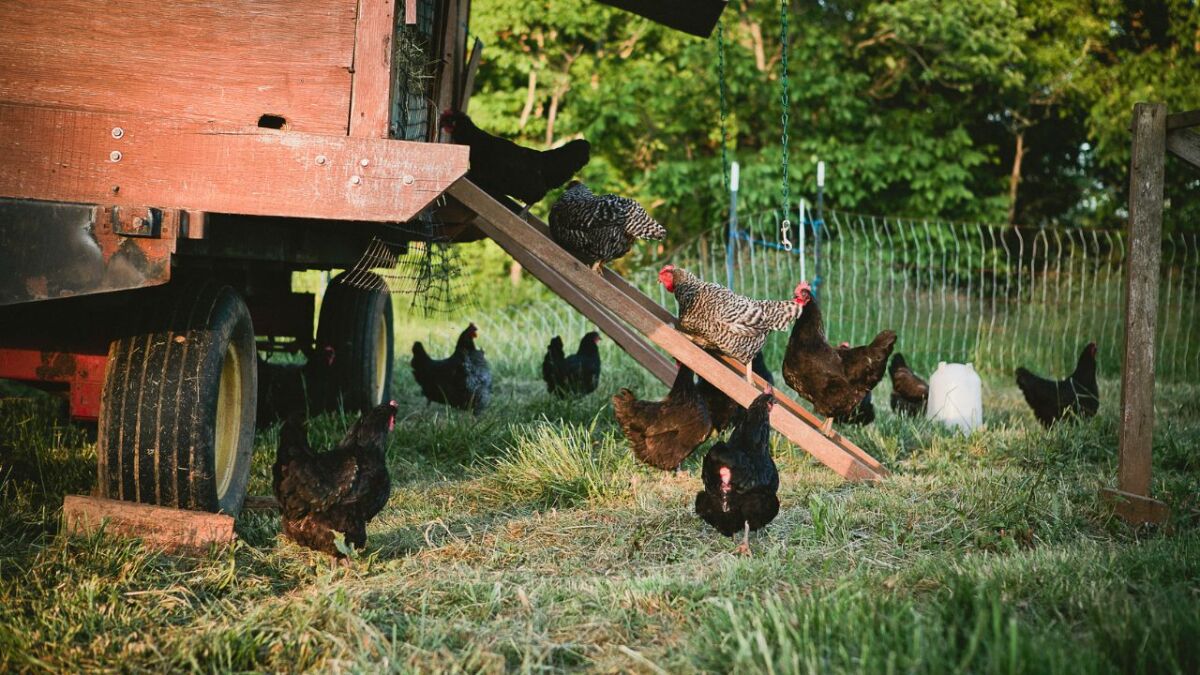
[697, 17]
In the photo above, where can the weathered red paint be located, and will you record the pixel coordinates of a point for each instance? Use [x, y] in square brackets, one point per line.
[82, 373]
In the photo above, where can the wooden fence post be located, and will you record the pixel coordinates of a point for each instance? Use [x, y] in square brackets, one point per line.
[1136, 434]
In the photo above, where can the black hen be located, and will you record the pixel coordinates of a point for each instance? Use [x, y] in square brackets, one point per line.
[1078, 395]
[740, 478]
[723, 410]
[286, 388]
[575, 374]
[663, 434]
[599, 228]
[463, 380]
[501, 167]
[335, 491]
[910, 394]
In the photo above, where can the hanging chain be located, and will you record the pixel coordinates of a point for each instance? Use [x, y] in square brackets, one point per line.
[785, 101]
[724, 105]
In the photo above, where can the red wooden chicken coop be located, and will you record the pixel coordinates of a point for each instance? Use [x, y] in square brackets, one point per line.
[169, 164]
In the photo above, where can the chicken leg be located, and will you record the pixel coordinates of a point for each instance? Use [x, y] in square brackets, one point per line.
[744, 547]
[750, 371]
[826, 427]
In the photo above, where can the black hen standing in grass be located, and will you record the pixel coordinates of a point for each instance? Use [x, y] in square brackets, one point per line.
[578, 373]
[599, 228]
[501, 167]
[910, 394]
[664, 433]
[723, 410]
[338, 491]
[740, 479]
[463, 380]
[1051, 400]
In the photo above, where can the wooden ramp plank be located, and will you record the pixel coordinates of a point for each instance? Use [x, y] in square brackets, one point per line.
[657, 310]
[596, 296]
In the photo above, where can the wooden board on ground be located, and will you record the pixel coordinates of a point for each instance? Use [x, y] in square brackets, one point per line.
[571, 278]
[159, 527]
[1135, 509]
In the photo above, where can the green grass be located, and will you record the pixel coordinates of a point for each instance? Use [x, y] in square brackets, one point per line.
[527, 539]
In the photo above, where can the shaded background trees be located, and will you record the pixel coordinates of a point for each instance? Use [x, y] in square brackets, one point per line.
[978, 110]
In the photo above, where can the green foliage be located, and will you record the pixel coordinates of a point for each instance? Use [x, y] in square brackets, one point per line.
[915, 105]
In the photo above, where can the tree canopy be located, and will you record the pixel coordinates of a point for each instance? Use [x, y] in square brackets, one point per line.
[978, 110]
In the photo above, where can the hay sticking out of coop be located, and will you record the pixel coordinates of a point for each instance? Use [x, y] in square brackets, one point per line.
[412, 77]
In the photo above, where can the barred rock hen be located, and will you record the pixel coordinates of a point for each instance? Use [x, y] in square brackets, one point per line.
[723, 410]
[833, 382]
[341, 490]
[463, 380]
[599, 228]
[910, 394]
[662, 434]
[578, 373]
[716, 318]
[500, 167]
[1078, 395]
[740, 478]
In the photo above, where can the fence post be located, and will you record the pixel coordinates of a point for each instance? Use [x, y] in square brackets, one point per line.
[1136, 434]
[733, 223]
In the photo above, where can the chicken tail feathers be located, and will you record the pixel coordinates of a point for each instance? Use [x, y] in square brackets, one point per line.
[639, 224]
[560, 164]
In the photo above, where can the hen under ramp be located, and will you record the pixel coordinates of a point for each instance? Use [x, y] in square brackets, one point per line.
[619, 309]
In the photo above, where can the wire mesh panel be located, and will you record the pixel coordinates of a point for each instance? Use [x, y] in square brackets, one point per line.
[996, 296]
[423, 268]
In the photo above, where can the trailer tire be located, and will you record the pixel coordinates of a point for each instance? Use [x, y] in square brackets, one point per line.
[356, 321]
[177, 410]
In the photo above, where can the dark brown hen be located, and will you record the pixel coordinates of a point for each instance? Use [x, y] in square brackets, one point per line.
[1077, 396]
[664, 433]
[339, 491]
[741, 481]
[818, 373]
[503, 168]
[910, 394]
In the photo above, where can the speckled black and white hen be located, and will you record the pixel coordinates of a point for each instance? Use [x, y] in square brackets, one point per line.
[599, 228]
[717, 318]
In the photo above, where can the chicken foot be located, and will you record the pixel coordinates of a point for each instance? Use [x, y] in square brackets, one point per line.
[744, 547]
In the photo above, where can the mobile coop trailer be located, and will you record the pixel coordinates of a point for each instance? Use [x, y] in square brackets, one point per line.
[167, 165]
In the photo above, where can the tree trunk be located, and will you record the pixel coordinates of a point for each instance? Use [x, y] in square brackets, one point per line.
[530, 98]
[1014, 180]
[514, 273]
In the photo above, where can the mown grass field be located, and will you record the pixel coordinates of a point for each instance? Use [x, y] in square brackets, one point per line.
[528, 540]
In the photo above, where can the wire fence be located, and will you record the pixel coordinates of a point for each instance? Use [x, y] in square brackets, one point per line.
[996, 296]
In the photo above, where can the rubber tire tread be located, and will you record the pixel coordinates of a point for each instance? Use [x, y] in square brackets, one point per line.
[348, 320]
[158, 409]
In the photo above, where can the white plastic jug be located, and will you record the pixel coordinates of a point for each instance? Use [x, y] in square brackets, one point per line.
[956, 396]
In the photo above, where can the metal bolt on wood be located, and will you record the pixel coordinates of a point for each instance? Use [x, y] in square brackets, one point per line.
[364, 161]
[115, 156]
[408, 180]
[321, 160]
[355, 180]
[118, 132]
